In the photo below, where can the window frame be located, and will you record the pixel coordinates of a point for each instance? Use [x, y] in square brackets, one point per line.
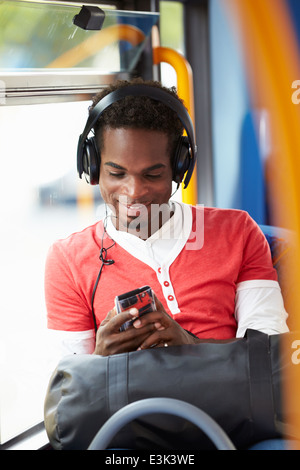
[34, 438]
[53, 87]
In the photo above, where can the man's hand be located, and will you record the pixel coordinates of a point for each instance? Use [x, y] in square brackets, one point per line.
[167, 331]
[154, 329]
[110, 340]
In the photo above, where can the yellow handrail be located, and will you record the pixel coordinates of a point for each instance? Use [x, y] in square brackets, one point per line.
[185, 89]
[96, 42]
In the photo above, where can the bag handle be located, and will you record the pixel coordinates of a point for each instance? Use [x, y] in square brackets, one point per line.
[260, 383]
[161, 405]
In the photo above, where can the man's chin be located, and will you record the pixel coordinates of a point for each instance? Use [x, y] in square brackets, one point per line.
[142, 222]
[134, 225]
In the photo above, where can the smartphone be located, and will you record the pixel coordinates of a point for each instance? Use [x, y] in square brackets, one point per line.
[141, 298]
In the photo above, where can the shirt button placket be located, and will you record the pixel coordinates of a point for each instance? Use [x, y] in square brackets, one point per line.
[167, 288]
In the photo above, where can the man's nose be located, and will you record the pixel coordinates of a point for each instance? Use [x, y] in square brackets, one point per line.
[136, 188]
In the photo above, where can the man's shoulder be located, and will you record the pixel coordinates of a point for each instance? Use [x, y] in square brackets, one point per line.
[220, 214]
[80, 239]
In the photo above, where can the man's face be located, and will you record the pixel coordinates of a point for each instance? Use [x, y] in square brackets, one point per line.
[136, 178]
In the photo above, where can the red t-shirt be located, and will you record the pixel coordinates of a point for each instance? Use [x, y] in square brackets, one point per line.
[202, 282]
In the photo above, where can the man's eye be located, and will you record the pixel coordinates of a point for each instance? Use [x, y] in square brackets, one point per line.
[154, 176]
[117, 175]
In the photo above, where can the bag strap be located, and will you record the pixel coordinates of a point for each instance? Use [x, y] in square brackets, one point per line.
[117, 382]
[261, 392]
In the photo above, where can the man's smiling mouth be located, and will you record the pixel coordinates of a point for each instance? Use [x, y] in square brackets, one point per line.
[134, 209]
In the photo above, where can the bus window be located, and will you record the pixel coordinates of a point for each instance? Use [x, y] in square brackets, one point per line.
[49, 70]
[42, 35]
[171, 35]
[41, 49]
[42, 199]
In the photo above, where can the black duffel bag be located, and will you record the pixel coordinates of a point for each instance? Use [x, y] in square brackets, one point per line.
[238, 384]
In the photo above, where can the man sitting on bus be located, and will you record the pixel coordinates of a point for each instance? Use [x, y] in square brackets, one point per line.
[210, 269]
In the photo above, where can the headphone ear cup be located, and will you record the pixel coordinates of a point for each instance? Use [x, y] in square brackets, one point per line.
[182, 159]
[91, 161]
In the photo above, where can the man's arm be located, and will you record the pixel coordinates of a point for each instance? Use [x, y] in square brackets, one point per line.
[259, 305]
[69, 319]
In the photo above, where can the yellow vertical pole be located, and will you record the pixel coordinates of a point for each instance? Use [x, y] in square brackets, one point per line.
[185, 90]
[272, 59]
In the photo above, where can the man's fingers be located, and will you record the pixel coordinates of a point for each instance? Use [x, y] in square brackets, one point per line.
[124, 317]
[117, 320]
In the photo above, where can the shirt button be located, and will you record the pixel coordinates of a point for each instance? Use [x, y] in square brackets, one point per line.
[166, 283]
[170, 297]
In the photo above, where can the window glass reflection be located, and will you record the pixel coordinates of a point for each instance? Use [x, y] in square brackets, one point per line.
[41, 199]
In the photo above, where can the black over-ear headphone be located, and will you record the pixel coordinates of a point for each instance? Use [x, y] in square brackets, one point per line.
[184, 159]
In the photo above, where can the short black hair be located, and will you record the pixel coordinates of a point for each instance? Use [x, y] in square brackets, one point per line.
[138, 112]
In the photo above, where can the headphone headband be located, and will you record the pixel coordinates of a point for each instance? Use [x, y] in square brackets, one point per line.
[150, 92]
